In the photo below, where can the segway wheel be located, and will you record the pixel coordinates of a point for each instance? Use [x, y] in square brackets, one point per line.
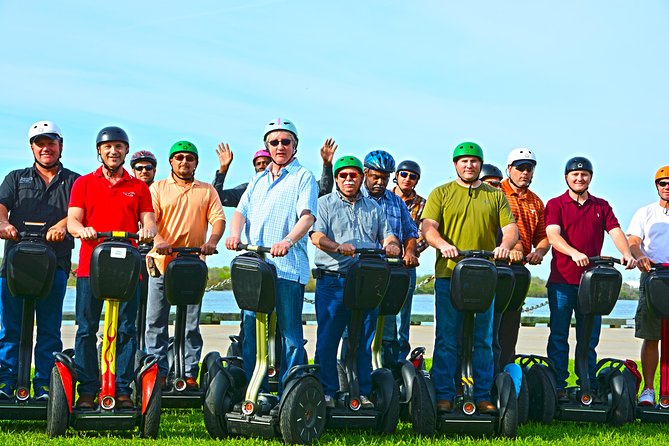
[302, 417]
[150, 421]
[57, 412]
[422, 411]
[508, 413]
[617, 394]
[542, 403]
[215, 424]
[389, 421]
[523, 402]
[235, 349]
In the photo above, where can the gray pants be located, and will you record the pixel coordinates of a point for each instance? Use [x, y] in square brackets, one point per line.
[157, 337]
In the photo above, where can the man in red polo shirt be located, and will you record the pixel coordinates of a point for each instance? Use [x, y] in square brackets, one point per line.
[575, 226]
[108, 199]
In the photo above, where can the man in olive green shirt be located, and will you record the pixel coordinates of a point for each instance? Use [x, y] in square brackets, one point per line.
[462, 215]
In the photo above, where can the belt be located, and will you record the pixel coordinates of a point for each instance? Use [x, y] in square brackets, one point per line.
[325, 272]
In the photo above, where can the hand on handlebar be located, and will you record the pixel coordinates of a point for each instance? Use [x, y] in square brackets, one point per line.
[534, 258]
[163, 248]
[231, 243]
[628, 261]
[580, 259]
[501, 253]
[8, 231]
[644, 264]
[346, 249]
[449, 251]
[208, 249]
[87, 233]
[392, 250]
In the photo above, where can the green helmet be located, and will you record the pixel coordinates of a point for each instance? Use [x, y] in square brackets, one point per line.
[183, 146]
[468, 149]
[347, 161]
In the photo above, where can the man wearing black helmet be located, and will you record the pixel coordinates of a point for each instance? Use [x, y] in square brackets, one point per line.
[575, 224]
[143, 164]
[108, 199]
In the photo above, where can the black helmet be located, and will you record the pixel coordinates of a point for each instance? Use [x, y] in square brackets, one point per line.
[578, 163]
[112, 134]
[489, 170]
[409, 166]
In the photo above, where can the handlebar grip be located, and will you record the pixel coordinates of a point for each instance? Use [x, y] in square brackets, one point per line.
[252, 248]
[118, 234]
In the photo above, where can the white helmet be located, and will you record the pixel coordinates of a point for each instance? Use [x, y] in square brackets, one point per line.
[46, 128]
[521, 155]
[285, 125]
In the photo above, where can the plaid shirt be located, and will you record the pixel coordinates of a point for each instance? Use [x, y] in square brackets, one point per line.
[399, 219]
[528, 210]
[415, 203]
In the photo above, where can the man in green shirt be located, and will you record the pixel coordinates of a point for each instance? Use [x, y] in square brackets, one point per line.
[462, 215]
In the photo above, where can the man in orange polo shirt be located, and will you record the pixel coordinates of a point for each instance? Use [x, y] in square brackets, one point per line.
[528, 210]
[184, 208]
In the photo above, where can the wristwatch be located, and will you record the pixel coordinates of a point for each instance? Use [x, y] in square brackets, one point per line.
[290, 242]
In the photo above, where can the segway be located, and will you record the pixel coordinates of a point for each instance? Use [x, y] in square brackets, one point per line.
[366, 284]
[612, 403]
[31, 267]
[473, 286]
[140, 323]
[185, 283]
[657, 289]
[114, 276]
[415, 400]
[233, 407]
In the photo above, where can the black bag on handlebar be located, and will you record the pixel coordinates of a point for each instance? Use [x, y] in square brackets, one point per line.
[115, 268]
[253, 283]
[522, 279]
[473, 285]
[599, 289]
[31, 267]
[506, 283]
[366, 283]
[185, 280]
[657, 292]
[397, 291]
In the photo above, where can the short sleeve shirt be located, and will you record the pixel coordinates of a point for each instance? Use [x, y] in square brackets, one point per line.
[651, 225]
[467, 219]
[582, 226]
[528, 210]
[361, 223]
[108, 207]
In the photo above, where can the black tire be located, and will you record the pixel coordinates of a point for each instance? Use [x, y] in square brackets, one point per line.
[542, 402]
[215, 424]
[523, 402]
[508, 422]
[57, 412]
[150, 421]
[388, 423]
[422, 411]
[235, 349]
[302, 417]
[620, 414]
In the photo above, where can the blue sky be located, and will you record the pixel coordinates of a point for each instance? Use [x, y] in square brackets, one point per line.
[414, 78]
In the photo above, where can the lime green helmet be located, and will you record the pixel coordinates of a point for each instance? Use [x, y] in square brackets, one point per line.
[468, 149]
[348, 161]
[183, 146]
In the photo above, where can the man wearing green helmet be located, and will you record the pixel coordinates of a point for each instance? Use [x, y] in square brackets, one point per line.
[185, 207]
[347, 219]
[462, 215]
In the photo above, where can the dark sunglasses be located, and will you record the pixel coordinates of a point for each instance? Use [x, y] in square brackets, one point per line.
[351, 175]
[412, 176]
[284, 142]
[148, 168]
[662, 183]
[494, 183]
[525, 167]
[181, 157]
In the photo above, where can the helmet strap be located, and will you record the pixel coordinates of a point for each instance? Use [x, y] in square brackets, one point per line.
[404, 193]
[186, 179]
[47, 166]
[287, 162]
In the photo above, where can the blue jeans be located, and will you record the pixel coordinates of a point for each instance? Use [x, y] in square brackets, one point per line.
[448, 325]
[288, 306]
[397, 328]
[562, 304]
[48, 315]
[86, 363]
[333, 317]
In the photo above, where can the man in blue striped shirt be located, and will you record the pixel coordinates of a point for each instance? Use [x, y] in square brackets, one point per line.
[276, 210]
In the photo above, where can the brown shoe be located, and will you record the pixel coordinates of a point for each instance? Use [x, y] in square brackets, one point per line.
[191, 384]
[444, 406]
[163, 383]
[486, 407]
[124, 402]
[86, 402]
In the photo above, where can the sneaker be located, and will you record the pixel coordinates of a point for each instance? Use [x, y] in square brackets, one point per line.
[329, 401]
[647, 397]
[6, 391]
[365, 403]
[444, 406]
[486, 407]
[41, 393]
[86, 402]
[124, 402]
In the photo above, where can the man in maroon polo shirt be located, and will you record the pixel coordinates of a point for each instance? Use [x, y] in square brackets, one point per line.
[575, 226]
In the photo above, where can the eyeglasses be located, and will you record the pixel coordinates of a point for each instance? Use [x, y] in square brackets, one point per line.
[525, 167]
[148, 168]
[180, 157]
[412, 176]
[351, 175]
[284, 142]
[663, 183]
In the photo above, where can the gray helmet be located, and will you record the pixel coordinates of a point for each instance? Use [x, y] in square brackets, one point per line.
[112, 134]
[409, 166]
[489, 170]
[578, 163]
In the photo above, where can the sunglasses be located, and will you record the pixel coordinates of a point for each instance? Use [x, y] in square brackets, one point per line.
[494, 183]
[284, 142]
[412, 176]
[148, 168]
[663, 183]
[525, 167]
[181, 157]
[351, 175]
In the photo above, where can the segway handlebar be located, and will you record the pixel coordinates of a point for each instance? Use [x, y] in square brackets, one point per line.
[118, 234]
[253, 248]
[604, 260]
[482, 254]
[189, 250]
[379, 252]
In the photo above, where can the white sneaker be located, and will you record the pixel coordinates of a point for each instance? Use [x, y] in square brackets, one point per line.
[647, 398]
[329, 401]
[365, 403]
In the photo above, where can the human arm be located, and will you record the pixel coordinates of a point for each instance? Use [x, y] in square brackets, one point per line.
[620, 240]
[554, 233]
[434, 239]
[298, 231]
[537, 256]
[509, 240]
[217, 230]
[324, 243]
[7, 230]
[56, 233]
[326, 183]
[642, 260]
[236, 225]
[391, 245]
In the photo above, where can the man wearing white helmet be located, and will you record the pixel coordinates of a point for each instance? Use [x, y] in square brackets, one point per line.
[528, 210]
[276, 210]
[38, 193]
